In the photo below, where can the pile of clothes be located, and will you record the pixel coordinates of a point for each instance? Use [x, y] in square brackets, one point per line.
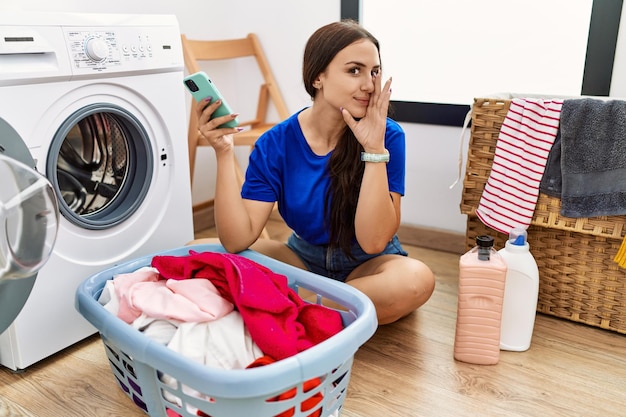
[220, 310]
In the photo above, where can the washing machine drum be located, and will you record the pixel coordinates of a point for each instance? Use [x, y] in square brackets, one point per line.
[29, 219]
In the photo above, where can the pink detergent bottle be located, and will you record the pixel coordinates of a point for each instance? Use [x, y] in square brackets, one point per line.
[482, 275]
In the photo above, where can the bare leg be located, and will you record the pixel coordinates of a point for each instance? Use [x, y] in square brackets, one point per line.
[397, 285]
[277, 250]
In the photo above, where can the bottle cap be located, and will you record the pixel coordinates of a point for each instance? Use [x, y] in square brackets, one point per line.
[484, 241]
[518, 236]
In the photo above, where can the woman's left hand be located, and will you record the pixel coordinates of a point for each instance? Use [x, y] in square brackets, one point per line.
[370, 129]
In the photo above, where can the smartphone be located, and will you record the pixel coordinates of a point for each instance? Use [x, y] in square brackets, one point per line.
[200, 86]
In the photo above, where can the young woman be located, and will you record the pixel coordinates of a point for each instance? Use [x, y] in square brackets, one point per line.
[337, 171]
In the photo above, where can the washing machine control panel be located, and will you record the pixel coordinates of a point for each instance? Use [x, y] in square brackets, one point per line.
[93, 49]
[122, 49]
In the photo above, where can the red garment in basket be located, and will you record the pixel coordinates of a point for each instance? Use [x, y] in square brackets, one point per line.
[307, 386]
[279, 321]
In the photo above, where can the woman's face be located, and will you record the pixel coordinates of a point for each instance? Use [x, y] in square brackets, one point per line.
[347, 81]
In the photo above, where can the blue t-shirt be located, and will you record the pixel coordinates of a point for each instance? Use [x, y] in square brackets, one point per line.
[283, 168]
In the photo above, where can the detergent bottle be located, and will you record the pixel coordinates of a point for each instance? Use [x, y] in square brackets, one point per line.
[482, 273]
[520, 294]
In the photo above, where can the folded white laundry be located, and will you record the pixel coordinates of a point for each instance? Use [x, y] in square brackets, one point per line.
[223, 343]
[159, 330]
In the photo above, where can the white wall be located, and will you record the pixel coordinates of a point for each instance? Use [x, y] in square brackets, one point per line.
[432, 165]
[432, 150]
[517, 60]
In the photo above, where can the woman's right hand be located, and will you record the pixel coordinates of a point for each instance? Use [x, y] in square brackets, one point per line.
[219, 138]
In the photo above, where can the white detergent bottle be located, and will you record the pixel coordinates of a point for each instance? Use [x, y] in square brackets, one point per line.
[521, 291]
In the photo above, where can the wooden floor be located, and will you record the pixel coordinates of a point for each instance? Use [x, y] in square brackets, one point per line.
[405, 369]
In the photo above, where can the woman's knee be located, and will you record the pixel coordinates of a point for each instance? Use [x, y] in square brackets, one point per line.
[416, 288]
[397, 287]
[424, 282]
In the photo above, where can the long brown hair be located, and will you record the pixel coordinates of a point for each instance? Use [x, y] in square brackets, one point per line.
[344, 166]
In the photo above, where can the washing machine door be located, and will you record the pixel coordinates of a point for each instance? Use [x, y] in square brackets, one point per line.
[100, 164]
[29, 219]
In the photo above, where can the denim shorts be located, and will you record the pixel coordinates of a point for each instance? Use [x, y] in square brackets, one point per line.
[333, 262]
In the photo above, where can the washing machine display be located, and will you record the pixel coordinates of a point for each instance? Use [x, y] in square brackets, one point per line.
[100, 165]
[99, 103]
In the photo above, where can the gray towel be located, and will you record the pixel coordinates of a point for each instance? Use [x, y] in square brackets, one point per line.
[593, 157]
[552, 181]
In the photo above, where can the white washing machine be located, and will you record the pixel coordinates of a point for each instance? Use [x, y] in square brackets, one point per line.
[98, 100]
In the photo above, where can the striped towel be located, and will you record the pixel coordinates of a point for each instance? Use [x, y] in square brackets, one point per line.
[526, 137]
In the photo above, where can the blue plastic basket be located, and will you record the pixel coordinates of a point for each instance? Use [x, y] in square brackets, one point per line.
[138, 362]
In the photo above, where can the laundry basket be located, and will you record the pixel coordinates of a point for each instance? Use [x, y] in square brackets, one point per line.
[578, 278]
[138, 362]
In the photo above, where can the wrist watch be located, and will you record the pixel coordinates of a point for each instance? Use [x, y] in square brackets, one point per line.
[375, 157]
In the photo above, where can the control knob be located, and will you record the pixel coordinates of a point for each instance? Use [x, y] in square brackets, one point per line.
[97, 49]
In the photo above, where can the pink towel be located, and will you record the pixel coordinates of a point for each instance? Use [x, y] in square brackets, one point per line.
[279, 321]
[526, 137]
[123, 283]
[188, 301]
[143, 292]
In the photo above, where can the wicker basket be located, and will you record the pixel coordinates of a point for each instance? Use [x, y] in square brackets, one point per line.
[579, 280]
